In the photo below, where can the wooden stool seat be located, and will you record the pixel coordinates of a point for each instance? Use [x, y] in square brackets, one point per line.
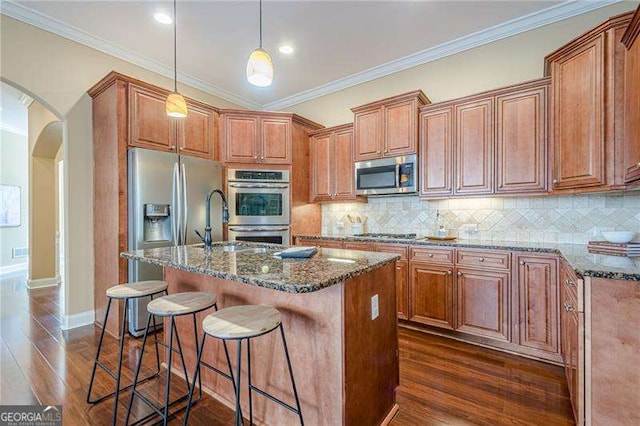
[241, 322]
[136, 289]
[181, 303]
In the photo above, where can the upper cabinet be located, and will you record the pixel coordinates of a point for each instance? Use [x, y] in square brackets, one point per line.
[254, 137]
[632, 95]
[587, 109]
[490, 143]
[331, 164]
[197, 132]
[388, 127]
[149, 124]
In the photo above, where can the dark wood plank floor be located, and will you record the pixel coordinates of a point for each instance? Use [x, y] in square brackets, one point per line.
[442, 382]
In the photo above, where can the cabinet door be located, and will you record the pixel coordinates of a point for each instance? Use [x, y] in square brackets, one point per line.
[321, 154]
[578, 110]
[573, 352]
[431, 295]
[197, 133]
[400, 129]
[632, 113]
[275, 140]
[329, 243]
[474, 147]
[240, 138]
[483, 303]
[402, 290]
[342, 165]
[521, 134]
[149, 125]
[538, 303]
[436, 146]
[358, 245]
[368, 134]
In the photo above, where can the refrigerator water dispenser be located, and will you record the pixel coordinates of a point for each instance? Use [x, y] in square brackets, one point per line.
[157, 226]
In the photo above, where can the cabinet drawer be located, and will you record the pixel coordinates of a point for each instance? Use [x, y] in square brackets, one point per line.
[573, 284]
[484, 259]
[358, 245]
[392, 248]
[443, 256]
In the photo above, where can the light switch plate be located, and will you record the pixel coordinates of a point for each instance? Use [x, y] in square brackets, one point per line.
[375, 309]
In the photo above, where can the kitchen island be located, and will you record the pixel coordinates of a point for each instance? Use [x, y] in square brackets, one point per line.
[344, 357]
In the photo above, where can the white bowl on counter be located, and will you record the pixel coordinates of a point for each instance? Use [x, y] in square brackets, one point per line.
[620, 237]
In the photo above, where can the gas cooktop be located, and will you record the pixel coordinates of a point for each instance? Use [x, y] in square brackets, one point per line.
[375, 235]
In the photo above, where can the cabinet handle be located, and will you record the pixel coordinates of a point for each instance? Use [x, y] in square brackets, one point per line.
[568, 307]
[555, 182]
[521, 262]
[262, 158]
[430, 254]
[255, 158]
[450, 272]
[173, 147]
[459, 274]
[570, 283]
[638, 165]
[481, 259]
[501, 186]
[377, 152]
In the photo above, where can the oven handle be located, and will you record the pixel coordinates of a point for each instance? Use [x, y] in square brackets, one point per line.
[397, 175]
[254, 229]
[259, 185]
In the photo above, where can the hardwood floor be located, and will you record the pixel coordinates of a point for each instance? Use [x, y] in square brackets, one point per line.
[442, 381]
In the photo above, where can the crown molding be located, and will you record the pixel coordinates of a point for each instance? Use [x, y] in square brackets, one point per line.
[29, 16]
[510, 28]
[12, 129]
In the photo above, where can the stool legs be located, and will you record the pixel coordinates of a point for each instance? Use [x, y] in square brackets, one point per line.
[95, 362]
[293, 382]
[120, 350]
[237, 384]
[249, 379]
[135, 378]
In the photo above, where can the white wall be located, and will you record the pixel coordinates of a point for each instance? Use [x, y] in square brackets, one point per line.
[14, 170]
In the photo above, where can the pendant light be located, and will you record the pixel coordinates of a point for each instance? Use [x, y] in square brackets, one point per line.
[259, 65]
[176, 105]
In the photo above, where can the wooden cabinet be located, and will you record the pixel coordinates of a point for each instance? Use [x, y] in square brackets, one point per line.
[149, 125]
[572, 342]
[587, 110]
[521, 141]
[632, 94]
[431, 290]
[499, 139]
[151, 128]
[250, 137]
[537, 302]
[358, 245]
[387, 128]
[436, 151]
[482, 303]
[402, 276]
[331, 164]
[474, 147]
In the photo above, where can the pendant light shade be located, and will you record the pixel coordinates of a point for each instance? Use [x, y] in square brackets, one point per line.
[259, 65]
[175, 105]
[260, 68]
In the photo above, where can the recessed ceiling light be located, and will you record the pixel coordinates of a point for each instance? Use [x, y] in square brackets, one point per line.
[286, 49]
[163, 18]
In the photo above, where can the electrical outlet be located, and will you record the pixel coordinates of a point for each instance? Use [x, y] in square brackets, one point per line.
[375, 309]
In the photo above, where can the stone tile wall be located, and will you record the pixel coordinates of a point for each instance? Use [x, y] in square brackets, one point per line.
[555, 219]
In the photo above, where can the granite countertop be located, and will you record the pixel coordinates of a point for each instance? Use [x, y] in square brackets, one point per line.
[584, 263]
[255, 264]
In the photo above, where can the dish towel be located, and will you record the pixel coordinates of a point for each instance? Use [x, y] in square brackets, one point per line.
[300, 252]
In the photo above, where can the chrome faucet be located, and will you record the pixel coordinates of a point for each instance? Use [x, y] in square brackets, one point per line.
[207, 239]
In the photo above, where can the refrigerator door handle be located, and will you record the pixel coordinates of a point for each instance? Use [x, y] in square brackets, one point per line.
[175, 199]
[185, 204]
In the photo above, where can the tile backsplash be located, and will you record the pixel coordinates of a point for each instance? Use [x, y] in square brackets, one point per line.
[554, 219]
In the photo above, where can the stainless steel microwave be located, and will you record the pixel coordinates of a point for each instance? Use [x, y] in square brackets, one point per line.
[396, 175]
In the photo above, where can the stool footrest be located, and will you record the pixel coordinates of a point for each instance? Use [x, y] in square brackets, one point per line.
[217, 370]
[158, 411]
[115, 377]
[274, 399]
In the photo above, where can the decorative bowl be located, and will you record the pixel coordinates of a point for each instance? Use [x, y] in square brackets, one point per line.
[618, 236]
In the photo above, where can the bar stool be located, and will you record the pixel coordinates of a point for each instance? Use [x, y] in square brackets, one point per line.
[126, 292]
[171, 306]
[244, 323]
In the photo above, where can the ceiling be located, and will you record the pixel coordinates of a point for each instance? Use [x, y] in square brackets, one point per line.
[13, 109]
[337, 42]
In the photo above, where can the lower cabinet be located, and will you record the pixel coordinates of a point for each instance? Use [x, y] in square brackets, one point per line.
[483, 303]
[537, 303]
[431, 294]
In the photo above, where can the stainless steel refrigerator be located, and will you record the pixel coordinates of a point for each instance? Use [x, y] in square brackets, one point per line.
[167, 194]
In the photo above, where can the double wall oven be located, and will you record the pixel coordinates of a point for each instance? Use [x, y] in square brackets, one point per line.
[259, 205]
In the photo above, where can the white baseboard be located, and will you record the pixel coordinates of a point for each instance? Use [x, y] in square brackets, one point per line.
[77, 320]
[14, 268]
[43, 282]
